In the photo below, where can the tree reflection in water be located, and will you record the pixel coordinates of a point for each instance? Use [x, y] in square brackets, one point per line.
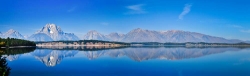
[4, 69]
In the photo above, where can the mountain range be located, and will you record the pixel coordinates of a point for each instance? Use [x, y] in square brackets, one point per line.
[141, 35]
[51, 32]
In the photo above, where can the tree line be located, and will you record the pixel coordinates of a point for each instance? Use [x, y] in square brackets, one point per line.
[8, 42]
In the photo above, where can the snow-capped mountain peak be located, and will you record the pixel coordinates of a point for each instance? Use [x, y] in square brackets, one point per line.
[53, 32]
[12, 34]
[93, 32]
[50, 29]
[11, 31]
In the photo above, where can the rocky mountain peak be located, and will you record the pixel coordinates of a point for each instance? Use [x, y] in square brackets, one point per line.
[11, 31]
[94, 35]
[137, 30]
[50, 29]
[53, 32]
[12, 34]
[51, 25]
[93, 32]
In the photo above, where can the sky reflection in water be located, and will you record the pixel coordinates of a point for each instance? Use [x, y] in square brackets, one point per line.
[133, 61]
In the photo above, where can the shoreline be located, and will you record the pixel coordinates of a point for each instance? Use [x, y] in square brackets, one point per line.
[155, 45]
[18, 47]
[81, 45]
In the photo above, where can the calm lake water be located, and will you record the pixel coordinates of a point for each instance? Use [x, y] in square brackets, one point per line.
[131, 61]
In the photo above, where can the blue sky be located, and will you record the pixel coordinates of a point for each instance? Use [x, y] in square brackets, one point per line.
[221, 18]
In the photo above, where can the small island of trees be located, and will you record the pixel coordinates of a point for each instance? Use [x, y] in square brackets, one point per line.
[13, 42]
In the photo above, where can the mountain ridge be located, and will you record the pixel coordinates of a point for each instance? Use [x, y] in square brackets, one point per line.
[52, 32]
[176, 36]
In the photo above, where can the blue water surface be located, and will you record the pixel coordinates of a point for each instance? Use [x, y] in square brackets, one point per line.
[133, 62]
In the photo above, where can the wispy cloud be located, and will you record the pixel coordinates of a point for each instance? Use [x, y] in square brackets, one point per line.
[245, 31]
[72, 9]
[185, 11]
[104, 23]
[237, 26]
[136, 9]
[240, 28]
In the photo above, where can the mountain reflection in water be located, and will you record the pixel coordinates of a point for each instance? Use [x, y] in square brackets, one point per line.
[52, 56]
[140, 54]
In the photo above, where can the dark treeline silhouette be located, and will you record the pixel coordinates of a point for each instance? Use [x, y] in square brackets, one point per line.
[4, 69]
[14, 51]
[8, 42]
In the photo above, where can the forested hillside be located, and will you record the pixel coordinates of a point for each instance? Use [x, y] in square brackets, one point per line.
[8, 42]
